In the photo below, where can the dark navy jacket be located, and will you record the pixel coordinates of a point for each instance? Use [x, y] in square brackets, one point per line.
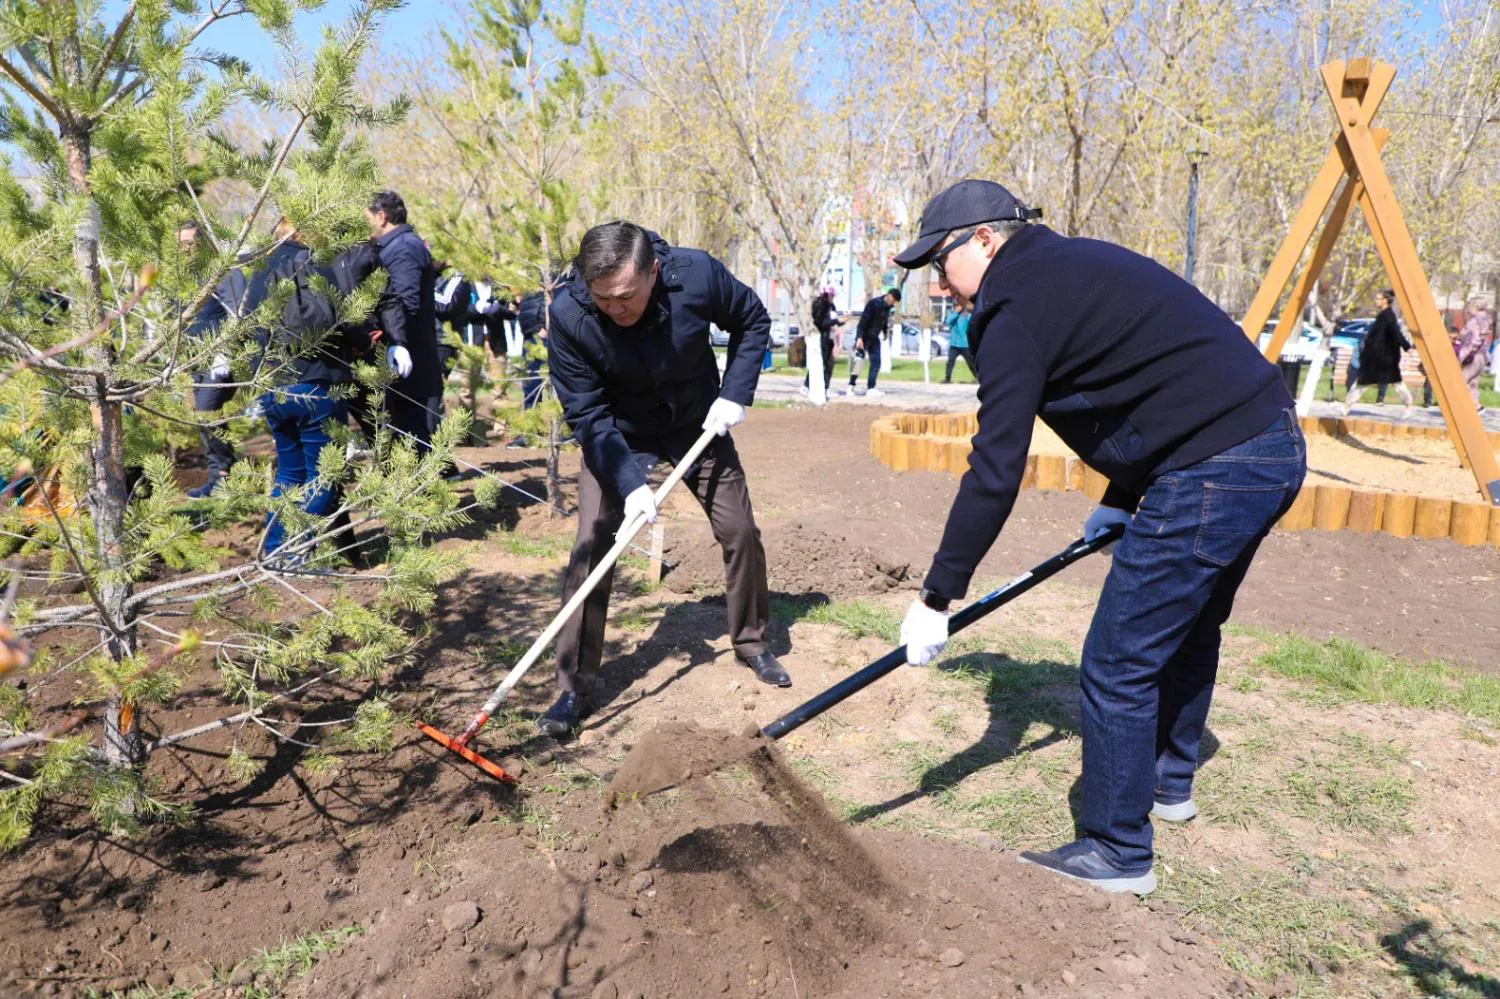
[1129, 364]
[408, 312]
[645, 390]
[873, 322]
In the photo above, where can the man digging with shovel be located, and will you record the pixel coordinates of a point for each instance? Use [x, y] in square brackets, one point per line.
[1155, 387]
[636, 376]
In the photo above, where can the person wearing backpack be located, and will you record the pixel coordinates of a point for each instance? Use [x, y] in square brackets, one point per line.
[302, 349]
[408, 316]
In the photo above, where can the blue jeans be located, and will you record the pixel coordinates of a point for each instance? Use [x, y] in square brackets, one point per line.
[1152, 652]
[297, 414]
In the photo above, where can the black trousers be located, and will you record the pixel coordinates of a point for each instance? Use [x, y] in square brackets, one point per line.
[209, 397]
[720, 486]
[954, 353]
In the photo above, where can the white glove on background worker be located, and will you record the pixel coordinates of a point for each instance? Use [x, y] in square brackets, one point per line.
[219, 371]
[640, 501]
[924, 632]
[722, 415]
[399, 358]
[1101, 520]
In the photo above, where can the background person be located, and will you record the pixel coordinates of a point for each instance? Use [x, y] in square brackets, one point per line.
[826, 320]
[874, 323]
[1109, 348]
[1380, 357]
[407, 315]
[958, 340]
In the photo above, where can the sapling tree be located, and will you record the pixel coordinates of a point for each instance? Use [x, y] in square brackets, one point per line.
[530, 82]
[114, 117]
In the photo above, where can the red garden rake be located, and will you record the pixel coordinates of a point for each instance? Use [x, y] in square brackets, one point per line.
[623, 539]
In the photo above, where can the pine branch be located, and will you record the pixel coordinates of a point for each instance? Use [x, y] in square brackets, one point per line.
[107, 57]
[34, 92]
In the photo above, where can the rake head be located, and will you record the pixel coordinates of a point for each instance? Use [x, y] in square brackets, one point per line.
[493, 769]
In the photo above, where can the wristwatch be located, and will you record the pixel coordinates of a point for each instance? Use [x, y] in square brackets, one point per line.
[934, 600]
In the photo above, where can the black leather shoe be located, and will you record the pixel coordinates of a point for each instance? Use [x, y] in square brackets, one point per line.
[562, 717]
[768, 669]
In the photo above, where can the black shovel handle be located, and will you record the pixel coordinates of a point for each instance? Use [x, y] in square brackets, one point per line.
[807, 711]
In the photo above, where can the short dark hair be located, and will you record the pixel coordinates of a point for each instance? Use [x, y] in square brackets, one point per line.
[607, 248]
[390, 203]
[894, 293]
[1387, 294]
[188, 223]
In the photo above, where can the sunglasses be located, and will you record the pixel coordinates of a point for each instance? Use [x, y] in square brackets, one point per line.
[937, 258]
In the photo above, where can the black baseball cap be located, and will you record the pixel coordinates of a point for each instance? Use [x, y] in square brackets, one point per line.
[969, 202]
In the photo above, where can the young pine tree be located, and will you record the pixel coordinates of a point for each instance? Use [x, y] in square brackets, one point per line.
[116, 126]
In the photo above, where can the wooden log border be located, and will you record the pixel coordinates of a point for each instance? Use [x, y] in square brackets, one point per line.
[940, 442]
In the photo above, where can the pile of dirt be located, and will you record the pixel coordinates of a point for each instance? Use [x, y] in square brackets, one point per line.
[798, 560]
[743, 884]
[671, 755]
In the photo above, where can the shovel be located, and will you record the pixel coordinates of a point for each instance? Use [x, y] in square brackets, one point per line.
[709, 751]
[623, 539]
[807, 711]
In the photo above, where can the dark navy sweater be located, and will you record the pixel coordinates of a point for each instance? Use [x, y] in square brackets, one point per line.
[1129, 364]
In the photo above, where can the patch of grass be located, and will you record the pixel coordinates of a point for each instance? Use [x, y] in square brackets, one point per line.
[1268, 922]
[1354, 672]
[859, 619]
[1355, 787]
[947, 723]
[1021, 814]
[546, 825]
[816, 773]
[788, 610]
[1345, 781]
[529, 546]
[635, 619]
[295, 957]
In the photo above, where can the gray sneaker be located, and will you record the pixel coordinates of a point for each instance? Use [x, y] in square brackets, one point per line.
[1081, 860]
[1183, 811]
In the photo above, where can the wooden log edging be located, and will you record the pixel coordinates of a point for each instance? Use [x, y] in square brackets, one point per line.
[940, 442]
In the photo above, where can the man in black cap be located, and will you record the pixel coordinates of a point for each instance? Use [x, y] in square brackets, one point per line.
[1155, 387]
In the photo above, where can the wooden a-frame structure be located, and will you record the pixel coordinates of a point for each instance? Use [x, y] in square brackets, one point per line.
[1356, 90]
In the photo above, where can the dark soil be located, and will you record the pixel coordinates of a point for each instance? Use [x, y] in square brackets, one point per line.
[736, 884]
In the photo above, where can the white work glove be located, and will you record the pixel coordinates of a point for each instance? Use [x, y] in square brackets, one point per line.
[1101, 520]
[722, 415]
[924, 632]
[399, 358]
[640, 501]
[219, 372]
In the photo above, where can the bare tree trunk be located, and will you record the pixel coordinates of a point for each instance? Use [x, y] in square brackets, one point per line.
[107, 495]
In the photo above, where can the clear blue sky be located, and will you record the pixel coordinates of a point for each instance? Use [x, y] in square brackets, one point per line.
[419, 17]
[405, 27]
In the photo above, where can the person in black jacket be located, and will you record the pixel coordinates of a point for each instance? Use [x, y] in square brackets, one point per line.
[1380, 357]
[635, 373]
[408, 317]
[874, 322]
[826, 320]
[211, 388]
[302, 351]
[1110, 349]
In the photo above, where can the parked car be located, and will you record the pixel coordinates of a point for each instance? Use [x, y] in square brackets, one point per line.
[1299, 347]
[1350, 335]
[781, 334]
[911, 341]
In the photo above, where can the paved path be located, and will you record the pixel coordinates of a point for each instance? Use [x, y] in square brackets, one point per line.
[964, 399]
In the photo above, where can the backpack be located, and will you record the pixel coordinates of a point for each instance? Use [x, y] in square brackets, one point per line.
[306, 311]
